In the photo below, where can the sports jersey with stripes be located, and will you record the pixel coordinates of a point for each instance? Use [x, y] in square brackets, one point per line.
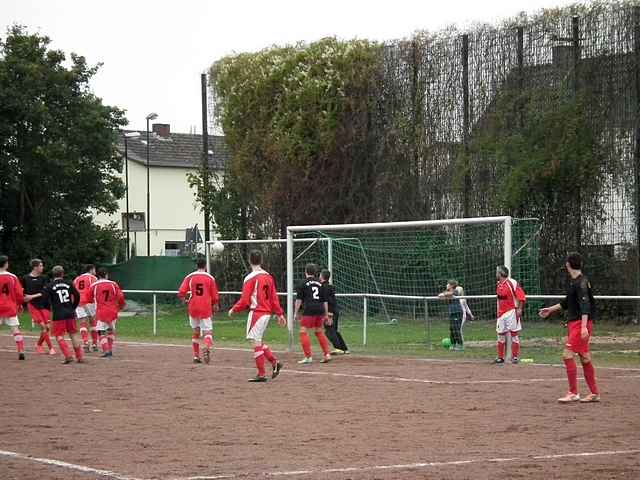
[259, 294]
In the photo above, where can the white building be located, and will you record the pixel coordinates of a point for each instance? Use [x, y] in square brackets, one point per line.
[173, 208]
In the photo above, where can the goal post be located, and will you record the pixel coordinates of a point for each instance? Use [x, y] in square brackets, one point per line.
[390, 261]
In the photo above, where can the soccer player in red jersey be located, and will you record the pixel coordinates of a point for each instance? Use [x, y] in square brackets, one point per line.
[109, 300]
[200, 292]
[580, 306]
[259, 296]
[64, 299]
[311, 297]
[34, 284]
[86, 310]
[511, 298]
[11, 299]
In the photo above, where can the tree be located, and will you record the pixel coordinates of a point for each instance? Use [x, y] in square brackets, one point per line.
[58, 162]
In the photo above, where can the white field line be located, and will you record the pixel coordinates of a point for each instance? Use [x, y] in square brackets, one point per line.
[429, 360]
[67, 465]
[413, 466]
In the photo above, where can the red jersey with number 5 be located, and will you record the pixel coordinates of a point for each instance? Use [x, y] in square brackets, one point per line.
[259, 294]
[83, 285]
[203, 292]
[11, 295]
[108, 298]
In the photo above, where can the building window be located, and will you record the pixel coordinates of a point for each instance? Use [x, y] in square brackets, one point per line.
[173, 248]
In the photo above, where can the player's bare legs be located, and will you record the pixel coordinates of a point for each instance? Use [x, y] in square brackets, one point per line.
[195, 344]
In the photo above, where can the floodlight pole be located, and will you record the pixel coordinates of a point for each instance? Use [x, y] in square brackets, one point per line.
[151, 116]
[126, 181]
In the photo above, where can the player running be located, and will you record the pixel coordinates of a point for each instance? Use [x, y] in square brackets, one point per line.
[510, 301]
[315, 313]
[11, 299]
[259, 296]
[109, 300]
[34, 284]
[86, 310]
[64, 299]
[580, 306]
[200, 292]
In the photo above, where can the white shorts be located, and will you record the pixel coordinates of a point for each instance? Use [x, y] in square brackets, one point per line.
[256, 332]
[10, 321]
[88, 310]
[204, 324]
[104, 325]
[508, 322]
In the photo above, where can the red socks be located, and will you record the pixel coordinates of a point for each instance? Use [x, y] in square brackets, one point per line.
[104, 343]
[19, 339]
[306, 344]
[111, 337]
[572, 374]
[84, 334]
[78, 351]
[208, 340]
[590, 376]
[500, 347]
[269, 354]
[322, 340]
[515, 345]
[258, 355]
[94, 337]
[195, 345]
[64, 348]
[44, 337]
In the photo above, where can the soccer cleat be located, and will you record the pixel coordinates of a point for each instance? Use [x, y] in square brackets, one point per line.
[52, 351]
[21, 356]
[515, 360]
[94, 347]
[591, 398]
[276, 370]
[569, 398]
[206, 356]
[39, 349]
[197, 360]
[326, 359]
[67, 360]
[305, 361]
[498, 361]
[86, 348]
[258, 379]
[106, 355]
[337, 351]
[346, 352]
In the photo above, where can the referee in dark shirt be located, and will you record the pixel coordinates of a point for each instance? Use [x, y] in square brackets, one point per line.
[580, 307]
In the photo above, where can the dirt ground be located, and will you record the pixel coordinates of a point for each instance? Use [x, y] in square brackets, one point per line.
[149, 413]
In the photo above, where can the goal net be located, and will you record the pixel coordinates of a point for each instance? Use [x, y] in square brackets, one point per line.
[396, 265]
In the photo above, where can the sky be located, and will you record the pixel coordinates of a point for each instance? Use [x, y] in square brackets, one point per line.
[153, 52]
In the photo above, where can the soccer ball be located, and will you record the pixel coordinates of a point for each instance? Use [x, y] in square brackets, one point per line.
[217, 248]
[446, 342]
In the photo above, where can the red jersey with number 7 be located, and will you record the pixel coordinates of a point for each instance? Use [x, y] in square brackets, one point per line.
[108, 298]
[259, 295]
[83, 285]
[203, 294]
[11, 295]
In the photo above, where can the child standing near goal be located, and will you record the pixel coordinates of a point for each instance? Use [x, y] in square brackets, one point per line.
[459, 312]
[200, 292]
[259, 296]
[109, 300]
[312, 299]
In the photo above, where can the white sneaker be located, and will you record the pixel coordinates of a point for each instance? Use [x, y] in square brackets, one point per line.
[569, 397]
[326, 359]
[305, 361]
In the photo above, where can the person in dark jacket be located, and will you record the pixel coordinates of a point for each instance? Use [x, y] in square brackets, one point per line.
[331, 330]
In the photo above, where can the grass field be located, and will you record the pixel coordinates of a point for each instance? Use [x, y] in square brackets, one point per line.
[613, 345]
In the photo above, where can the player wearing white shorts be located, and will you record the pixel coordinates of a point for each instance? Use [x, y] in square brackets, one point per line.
[259, 296]
[510, 301]
[11, 300]
[200, 292]
[86, 310]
